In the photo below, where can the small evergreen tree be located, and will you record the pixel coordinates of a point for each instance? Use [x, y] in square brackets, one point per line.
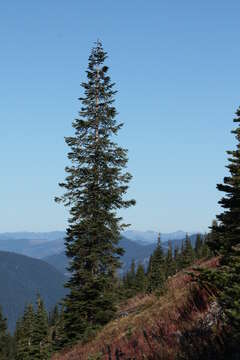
[181, 257]
[24, 334]
[141, 281]
[187, 253]
[170, 263]
[198, 246]
[131, 276]
[54, 316]
[4, 338]
[149, 268]
[40, 347]
[57, 333]
[215, 238]
[206, 251]
[157, 273]
[95, 187]
[177, 259]
[129, 281]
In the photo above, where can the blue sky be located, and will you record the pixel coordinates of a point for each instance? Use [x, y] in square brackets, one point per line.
[176, 68]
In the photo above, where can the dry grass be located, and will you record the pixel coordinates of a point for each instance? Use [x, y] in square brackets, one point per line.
[153, 325]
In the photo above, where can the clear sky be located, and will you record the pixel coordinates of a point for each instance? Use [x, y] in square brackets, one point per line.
[176, 65]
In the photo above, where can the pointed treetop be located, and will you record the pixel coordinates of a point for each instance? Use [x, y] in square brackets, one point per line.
[97, 55]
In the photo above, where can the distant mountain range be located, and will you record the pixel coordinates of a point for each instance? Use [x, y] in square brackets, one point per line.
[148, 237]
[31, 247]
[35, 236]
[136, 235]
[37, 245]
[41, 245]
[21, 278]
[138, 251]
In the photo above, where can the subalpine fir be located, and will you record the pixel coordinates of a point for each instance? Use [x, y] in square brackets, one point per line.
[95, 186]
[224, 240]
[41, 348]
[5, 339]
[229, 234]
[24, 334]
[157, 268]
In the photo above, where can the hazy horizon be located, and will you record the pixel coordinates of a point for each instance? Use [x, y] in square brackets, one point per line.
[131, 229]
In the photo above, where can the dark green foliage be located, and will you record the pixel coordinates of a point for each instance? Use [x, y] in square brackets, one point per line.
[225, 240]
[141, 279]
[95, 186]
[215, 239]
[130, 278]
[57, 334]
[187, 253]
[132, 274]
[54, 316]
[228, 232]
[134, 281]
[40, 345]
[3, 336]
[206, 251]
[202, 249]
[32, 334]
[127, 287]
[170, 263]
[24, 334]
[198, 246]
[177, 259]
[162, 265]
[6, 342]
[157, 269]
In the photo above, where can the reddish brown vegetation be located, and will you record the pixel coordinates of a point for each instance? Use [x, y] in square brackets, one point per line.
[154, 328]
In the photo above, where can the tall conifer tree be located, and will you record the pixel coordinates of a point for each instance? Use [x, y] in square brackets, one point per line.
[95, 186]
[228, 233]
[225, 240]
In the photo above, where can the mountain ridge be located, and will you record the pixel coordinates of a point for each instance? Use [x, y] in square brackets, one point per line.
[139, 252]
[21, 278]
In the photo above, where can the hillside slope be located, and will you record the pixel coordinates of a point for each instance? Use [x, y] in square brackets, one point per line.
[21, 278]
[37, 248]
[179, 322]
